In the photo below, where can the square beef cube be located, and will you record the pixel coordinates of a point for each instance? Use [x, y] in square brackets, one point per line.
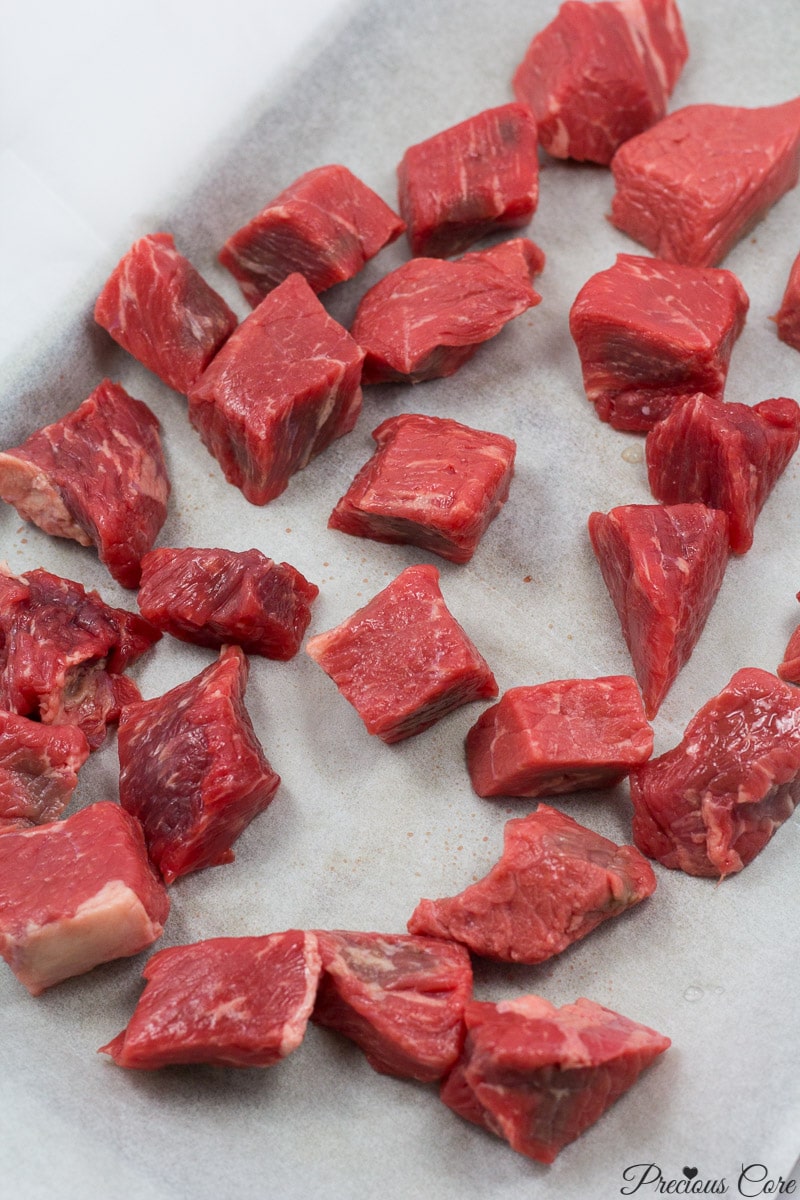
[787, 317]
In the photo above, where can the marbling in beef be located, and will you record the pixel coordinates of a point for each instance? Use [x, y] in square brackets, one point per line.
[39, 767]
[787, 317]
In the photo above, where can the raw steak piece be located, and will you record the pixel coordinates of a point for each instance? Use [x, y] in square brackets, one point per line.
[325, 226]
[477, 177]
[600, 73]
[214, 597]
[192, 769]
[63, 651]
[426, 318]
[402, 660]
[789, 670]
[77, 893]
[538, 1076]
[694, 184]
[283, 386]
[663, 567]
[233, 1002]
[97, 476]
[555, 882]
[39, 767]
[432, 483]
[558, 737]
[519, 257]
[787, 317]
[162, 311]
[709, 806]
[400, 998]
[728, 456]
[649, 332]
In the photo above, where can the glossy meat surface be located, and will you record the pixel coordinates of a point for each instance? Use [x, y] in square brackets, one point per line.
[39, 767]
[787, 317]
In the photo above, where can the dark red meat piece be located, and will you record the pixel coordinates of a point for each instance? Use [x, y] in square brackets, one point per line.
[709, 806]
[477, 177]
[400, 998]
[39, 767]
[600, 73]
[555, 882]
[728, 456]
[559, 737]
[663, 567]
[787, 317]
[432, 483]
[649, 332]
[284, 385]
[538, 1076]
[325, 226]
[192, 769]
[97, 476]
[694, 184]
[233, 1002]
[77, 893]
[214, 597]
[402, 660]
[162, 311]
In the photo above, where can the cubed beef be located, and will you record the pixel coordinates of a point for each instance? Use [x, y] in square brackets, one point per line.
[711, 804]
[649, 332]
[402, 660]
[789, 669]
[787, 317]
[39, 767]
[432, 483]
[283, 386]
[699, 180]
[555, 882]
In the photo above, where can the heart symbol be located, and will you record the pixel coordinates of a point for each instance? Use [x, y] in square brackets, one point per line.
[690, 1172]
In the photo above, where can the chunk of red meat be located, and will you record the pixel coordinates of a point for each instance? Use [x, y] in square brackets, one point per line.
[192, 770]
[555, 882]
[559, 737]
[215, 597]
[787, 317]
[789, 669]
[694, 184]
[400, 998]
[162, 311]
[649, 332]
[427, 318]
[39, 767]
[728, 456]
[432, 483]
[77, 893]
[663, 567]
[518, 257]
[477, 177]
[539, 1076]
[97, 476]
[402, 660]
[283, 386]
[324, 226]
[711, 804]
[233, 1002]
[600, 73]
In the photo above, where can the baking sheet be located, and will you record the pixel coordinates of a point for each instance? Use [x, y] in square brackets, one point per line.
[359, 831]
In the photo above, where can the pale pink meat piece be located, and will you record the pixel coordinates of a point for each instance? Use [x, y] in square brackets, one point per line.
[787, 317]
[39, 767]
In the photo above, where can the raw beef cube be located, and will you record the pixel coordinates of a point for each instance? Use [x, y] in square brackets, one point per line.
[559, 737]
[284, 385]
[214, 597]
[555, 882]
[709, 806]
[478, 177]
[400, 998]
[192, 769]
[97, 476]
[402, 660]
[789, 670]
[432, 483]
[663, 567]
[519, 257]
[649, 332]
[231, 1001]
[162, 311]
[39, 767]
[787, 317]
[600, 73]
[425, 319]
[63, 651]
[539, 1076]
[728, 456]
[77, 893]
[325, 226]
[694, 184]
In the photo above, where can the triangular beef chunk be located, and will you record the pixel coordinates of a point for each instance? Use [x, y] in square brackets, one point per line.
[663, 567]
